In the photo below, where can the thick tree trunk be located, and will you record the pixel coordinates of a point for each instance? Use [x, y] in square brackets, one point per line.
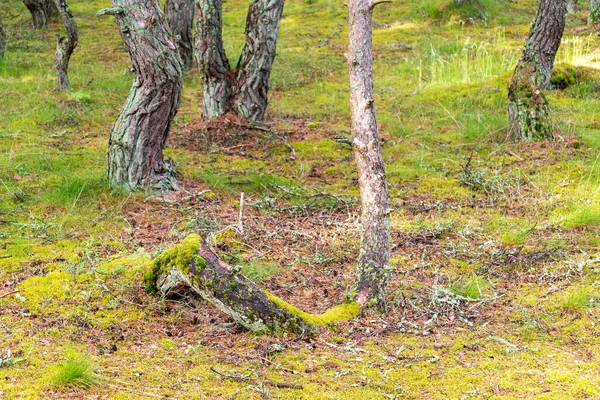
[245, 89]
[38, 10]
[66, 46]
[135, 155]
[572, 6]
[256, 60]
[193, 268]
[180, 17]
[2, 39]
[594, 15]
[374, 257]
[528, 108]
[211, 57]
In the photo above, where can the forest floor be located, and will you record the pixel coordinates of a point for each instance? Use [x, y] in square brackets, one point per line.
[496, 257]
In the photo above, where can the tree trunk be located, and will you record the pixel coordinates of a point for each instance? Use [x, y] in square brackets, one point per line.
[572, 6]
[192, 267]
[594, 15]
[38, 9]
[66, 46]
[211, 57]
[243, 90]
[528, 108]
[374, 257]
[2, 39]
[254, 67]
[135, 155]
[180, 17]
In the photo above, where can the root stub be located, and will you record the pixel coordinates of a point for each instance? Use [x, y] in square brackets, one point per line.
[192, 268]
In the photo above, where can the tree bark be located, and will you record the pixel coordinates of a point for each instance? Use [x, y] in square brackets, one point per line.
[212, 59]
[2, 39]
[572, 6]
[180, 17]
[38, 10]
[256, 61]
[65, 46]
[135, 155]
[528, 107]
[374, 257]
[243, 90]
[594, 15]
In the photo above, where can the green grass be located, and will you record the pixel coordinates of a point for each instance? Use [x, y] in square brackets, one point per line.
[473, 288]
[75, 373]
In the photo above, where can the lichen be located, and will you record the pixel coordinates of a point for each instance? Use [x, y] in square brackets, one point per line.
[179, 256]
[341, 312]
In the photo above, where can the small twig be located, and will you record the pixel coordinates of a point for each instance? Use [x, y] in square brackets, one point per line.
[241, 223]
[8, 294]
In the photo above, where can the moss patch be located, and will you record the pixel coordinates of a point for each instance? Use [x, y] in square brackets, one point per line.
[341, 312]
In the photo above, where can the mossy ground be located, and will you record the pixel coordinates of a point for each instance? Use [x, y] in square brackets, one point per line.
[521, 221]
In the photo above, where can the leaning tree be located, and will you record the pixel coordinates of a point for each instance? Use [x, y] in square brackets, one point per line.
[137, 140]
[2, 39]
[192, 267]
[528, 107]
[65, 46]
[242, 90]
[180, 17]
[40, 11]
[594, 15]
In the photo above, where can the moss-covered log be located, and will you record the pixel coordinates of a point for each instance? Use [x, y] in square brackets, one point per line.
[528, 108]
[65, 46]
[180, 17]
[137, 140]
[192, 268]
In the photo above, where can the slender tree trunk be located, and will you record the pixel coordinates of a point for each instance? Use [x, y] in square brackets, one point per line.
[374, 257]
[572, 6]
[66, 46]
[256, 60]
[243, 90]
[180, 17]
[594, 15]
[2, 39]
[135, 155]
[38, 9]
[213, 62]
[528, 107]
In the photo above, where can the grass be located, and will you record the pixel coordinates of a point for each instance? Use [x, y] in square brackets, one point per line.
[75, 373]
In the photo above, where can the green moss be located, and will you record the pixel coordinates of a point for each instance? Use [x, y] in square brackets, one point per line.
[179, 256]
[341, 312]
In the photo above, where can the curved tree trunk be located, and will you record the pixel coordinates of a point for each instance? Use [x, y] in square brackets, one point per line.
[572, 6]
[243, 90]
[135, 155]
[254, 67]
[38, 9]
[528, 108]
[66, 46]
[2, 39]
[180, 17]
[212, 59]
[594, 15]
[374, 257]
[192, 267]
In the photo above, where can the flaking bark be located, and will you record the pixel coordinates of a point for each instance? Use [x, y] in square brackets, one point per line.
[528, 108]
[243, 90]
[65, 46]
[137, 140]
[180, 16]
[373, 260]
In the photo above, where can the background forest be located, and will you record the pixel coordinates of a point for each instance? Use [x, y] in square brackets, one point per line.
[496, 267]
